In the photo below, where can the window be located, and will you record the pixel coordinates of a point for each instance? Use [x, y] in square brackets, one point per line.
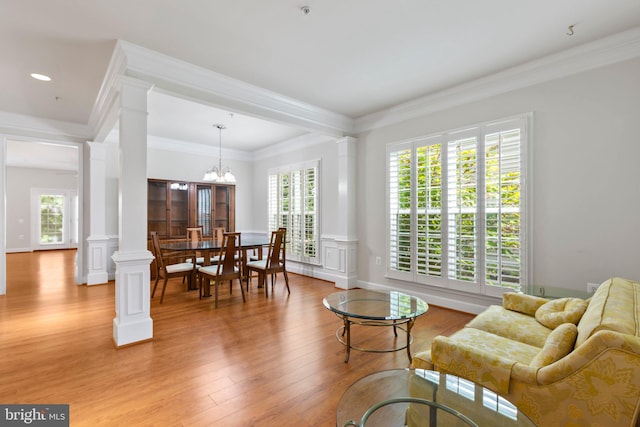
[54, 219]
[456, 208]
[204, 208]
[293, 203]
[51, 219]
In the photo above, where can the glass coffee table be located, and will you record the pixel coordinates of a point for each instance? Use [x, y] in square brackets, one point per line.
[417, 397]
[375, 308]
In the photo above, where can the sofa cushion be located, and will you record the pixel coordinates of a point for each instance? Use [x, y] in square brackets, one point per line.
[559, 343]
[558, 311]
[615, 306]
[493, 344]
[481, 357]
[511, 324]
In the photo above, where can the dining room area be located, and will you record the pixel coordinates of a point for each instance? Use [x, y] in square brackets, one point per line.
[225, 257]
[192, 235]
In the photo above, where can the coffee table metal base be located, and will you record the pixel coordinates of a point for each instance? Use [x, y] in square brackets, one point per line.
[396, 324]
[433, 419]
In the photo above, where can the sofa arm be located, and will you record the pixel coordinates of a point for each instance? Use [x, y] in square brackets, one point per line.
[594, 350]
[422, 360]
[522, 303]
[472, 363]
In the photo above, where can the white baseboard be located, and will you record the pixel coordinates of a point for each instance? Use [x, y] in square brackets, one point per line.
[15, 250]
[452, 302]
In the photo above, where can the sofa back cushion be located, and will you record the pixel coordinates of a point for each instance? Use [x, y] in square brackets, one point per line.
[563, 310]
[615, 306]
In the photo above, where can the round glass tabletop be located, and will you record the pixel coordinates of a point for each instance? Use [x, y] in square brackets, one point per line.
[417, 397]
[375, 305]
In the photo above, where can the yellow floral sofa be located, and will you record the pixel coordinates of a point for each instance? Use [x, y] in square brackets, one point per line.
[562, 362]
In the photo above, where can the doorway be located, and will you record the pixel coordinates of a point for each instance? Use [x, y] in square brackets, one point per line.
[27, 165]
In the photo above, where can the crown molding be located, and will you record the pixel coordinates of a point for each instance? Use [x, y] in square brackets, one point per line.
[294, 144]
[169, 144]
[281, 148]
[609, 50]
[37, 127]
[199, 83]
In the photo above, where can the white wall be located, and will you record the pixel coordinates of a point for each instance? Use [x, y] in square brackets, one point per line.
[18, 199]
[586, 198]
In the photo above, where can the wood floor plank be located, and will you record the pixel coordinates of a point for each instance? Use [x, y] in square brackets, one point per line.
[267, 362]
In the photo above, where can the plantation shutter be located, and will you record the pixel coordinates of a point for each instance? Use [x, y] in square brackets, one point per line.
[429, 210]
[399, 214]
[296, 231]
[273, 222]
[284, 200]
[293, 204]
[503, 184]
[462, 204]
[310, 215]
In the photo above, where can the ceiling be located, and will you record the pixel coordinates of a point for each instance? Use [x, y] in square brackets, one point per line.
[352, 57]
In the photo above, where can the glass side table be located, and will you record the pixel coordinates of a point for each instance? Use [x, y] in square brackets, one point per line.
[375, 308]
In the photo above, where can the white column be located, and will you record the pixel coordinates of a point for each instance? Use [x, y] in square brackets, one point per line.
[97, 242]
[347, 241]
[133, 321]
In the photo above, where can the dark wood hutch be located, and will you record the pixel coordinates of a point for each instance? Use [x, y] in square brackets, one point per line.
[172, 206]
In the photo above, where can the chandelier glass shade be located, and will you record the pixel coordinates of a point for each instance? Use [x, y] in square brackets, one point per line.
[218, 173]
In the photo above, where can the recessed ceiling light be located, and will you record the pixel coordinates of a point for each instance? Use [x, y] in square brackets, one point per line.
[41, 77]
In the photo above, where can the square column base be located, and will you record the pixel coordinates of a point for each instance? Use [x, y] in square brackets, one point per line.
[132, 333]
[133, 323]
[97, 258]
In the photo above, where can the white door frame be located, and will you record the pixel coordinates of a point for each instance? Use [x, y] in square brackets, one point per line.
[79, 273]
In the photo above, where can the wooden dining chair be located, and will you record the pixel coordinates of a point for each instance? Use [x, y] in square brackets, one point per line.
[274, 263]
[194, 234]
[226, 268]
[167, 269]
[256, 256]
[218, 236]
[218, 233]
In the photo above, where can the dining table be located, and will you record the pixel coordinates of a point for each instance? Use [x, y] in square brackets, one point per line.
[209, 248]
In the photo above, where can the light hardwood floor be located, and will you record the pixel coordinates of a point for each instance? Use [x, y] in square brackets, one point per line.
[267, 362]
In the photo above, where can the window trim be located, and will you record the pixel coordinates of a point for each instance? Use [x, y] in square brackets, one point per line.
[524, 122]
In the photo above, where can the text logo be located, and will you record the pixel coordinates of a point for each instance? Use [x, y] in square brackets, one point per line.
[34, 415]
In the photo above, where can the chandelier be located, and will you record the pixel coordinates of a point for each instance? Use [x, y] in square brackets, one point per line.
[218, 173]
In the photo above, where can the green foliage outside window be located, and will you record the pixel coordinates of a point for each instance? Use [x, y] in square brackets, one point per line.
[51, 219]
